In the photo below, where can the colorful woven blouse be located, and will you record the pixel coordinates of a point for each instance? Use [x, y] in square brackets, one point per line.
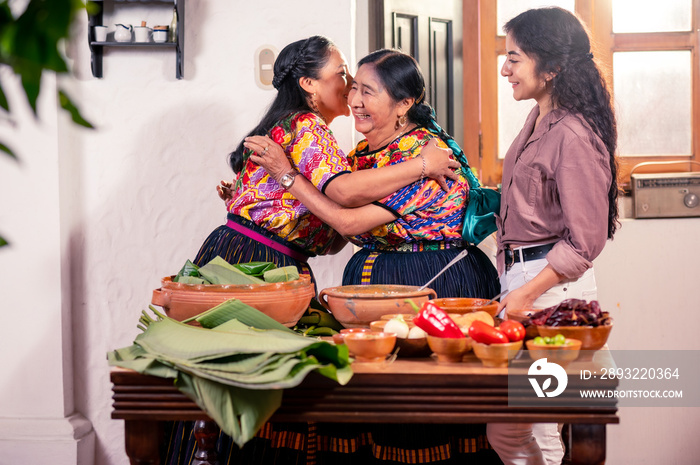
[424, 212]
[313, 150]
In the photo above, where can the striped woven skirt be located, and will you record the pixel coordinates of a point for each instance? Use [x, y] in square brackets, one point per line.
[472, 276]
[274, 444]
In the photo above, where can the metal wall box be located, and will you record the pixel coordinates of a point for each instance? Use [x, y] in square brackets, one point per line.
[666, 195]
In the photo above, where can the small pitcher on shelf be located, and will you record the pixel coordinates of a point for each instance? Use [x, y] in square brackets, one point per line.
[122, 33]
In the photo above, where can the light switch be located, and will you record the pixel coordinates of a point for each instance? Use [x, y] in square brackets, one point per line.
[264, 66]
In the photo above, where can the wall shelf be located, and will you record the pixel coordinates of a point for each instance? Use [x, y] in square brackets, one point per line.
[97, 19]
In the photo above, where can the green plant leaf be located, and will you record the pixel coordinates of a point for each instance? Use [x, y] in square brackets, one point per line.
[31, 82]
[3, 100]
[6, 149]
[3, 242]
[68, 105]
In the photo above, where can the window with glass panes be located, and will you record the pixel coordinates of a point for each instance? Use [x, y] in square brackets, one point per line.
[648, 50]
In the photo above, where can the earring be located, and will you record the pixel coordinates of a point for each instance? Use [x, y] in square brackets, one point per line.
[401, 122]
[314, 105]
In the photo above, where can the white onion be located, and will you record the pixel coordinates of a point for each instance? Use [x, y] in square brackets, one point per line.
[397, 326]
[416, 333]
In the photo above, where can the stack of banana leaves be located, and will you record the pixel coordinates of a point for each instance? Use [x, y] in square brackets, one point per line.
[235, 365]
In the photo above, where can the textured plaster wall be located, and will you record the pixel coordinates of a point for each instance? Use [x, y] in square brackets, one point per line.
[100, 216]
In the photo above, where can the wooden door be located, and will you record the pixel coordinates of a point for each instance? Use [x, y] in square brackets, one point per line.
[431, 31]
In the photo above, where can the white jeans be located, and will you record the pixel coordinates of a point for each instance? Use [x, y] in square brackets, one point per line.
[536, 443]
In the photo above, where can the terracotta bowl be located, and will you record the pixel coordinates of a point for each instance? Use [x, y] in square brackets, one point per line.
[466, 305]
[522, 316]
[449, 350]
[496, 355]
[414, 347]
[356, 306]
[561, 354]
[339, 337]
[285, 302]
[370, 346]
[592, 338]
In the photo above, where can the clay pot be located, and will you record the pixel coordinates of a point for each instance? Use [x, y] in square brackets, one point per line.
[466, 305]
[356, 306]
[285, 302]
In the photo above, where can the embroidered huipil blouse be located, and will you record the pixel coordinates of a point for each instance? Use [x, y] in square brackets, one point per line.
[313, 150]
[424, 212]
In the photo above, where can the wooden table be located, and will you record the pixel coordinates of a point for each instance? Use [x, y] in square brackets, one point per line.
[406, 391]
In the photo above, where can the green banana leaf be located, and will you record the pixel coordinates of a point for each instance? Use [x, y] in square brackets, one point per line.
[188, 269]
[219, 271]
[190, 280]
[240, 413]
[234, 372]
[246, 315]
[283, 274]
[177, 340]
[255, 268]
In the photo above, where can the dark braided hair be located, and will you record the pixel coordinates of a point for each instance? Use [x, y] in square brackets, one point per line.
[303, 58]
[402, 78]
[559, 43]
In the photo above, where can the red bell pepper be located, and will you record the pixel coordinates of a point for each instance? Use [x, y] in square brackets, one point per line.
[434, 321]
[486, 334]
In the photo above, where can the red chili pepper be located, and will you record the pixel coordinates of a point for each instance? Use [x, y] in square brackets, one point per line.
[486, 334]
[434, 321]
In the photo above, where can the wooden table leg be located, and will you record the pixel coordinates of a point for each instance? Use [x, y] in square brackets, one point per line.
[141, 439]
[587, 444]
[206, 432]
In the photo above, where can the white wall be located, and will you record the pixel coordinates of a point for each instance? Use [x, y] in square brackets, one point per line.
[96, 218]
[648, 279]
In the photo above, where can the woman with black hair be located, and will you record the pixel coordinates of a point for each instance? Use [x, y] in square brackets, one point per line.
[267, 223]
[405, 238]
[408, 236]
[559, 195]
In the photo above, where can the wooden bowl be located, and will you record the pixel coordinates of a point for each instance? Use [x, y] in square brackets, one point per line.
[449, 350]
[285, 302]
[561, 354]
[591, 337]
[356, 306]
[496, 355]
[370, 346]
[466, 305]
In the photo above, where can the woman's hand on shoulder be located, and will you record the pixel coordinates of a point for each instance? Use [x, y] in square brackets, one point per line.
[439, 163]
[268, 154]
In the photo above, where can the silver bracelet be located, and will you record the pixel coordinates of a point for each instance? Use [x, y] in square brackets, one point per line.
[422, 171]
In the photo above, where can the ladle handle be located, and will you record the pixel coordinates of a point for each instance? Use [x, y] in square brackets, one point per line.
[461, 255]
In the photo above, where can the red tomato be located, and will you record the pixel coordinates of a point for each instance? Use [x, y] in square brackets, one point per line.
[486, 334]
[514, 330]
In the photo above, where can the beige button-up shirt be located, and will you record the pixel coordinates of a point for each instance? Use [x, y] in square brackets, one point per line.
[555, 190]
